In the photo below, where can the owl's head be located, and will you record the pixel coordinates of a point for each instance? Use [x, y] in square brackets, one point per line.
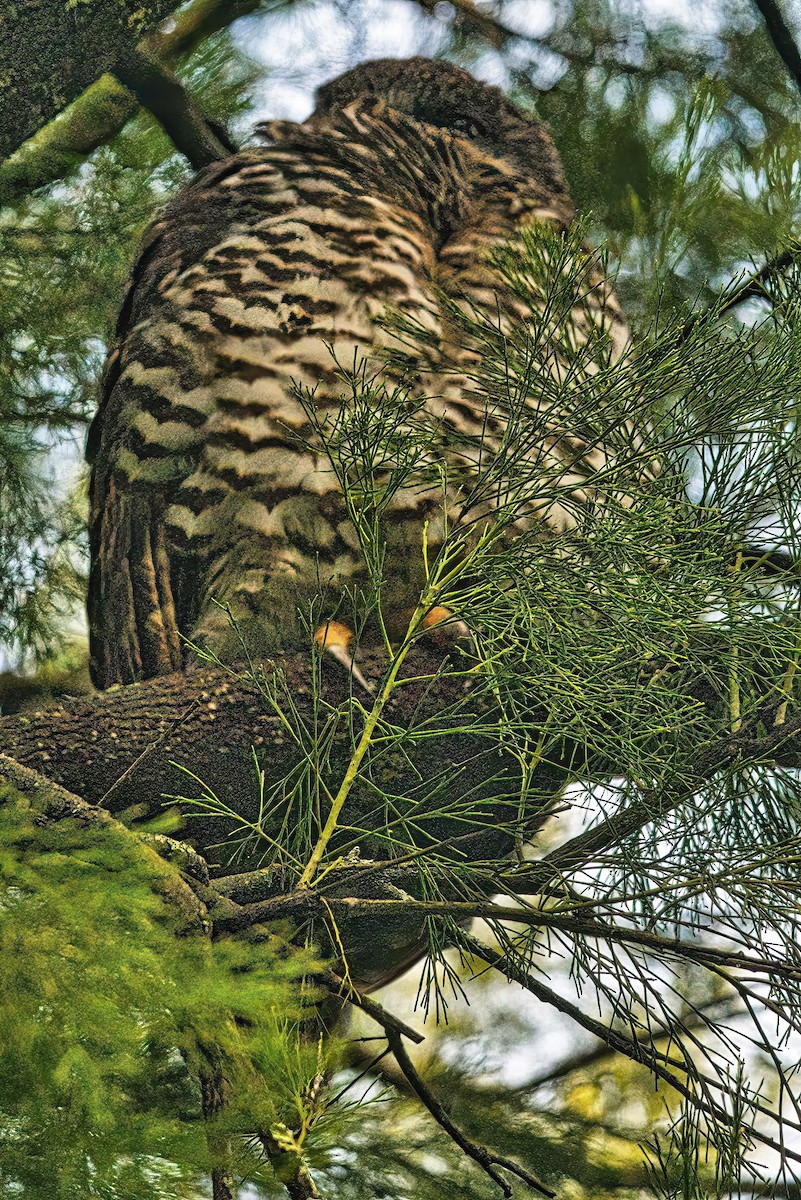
[443, 96]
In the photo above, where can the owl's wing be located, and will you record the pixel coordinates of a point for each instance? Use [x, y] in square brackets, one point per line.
[204, 487]
[133, 626]
[141, 447]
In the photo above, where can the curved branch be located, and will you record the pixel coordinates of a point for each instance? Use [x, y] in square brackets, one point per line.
[181, 118]
[103, 109]
[480, 1154]
[781, 37]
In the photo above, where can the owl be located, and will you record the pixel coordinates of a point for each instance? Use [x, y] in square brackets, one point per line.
[209, 497]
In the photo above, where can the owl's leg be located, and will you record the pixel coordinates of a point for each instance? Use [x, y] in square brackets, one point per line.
[439, 628]
[339, 641]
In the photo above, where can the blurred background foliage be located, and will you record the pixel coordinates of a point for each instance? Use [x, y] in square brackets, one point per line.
[678, 128]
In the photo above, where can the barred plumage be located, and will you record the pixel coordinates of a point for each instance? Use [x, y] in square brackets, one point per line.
[403, 179]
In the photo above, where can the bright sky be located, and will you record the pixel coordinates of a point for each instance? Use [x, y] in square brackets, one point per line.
[308, 46]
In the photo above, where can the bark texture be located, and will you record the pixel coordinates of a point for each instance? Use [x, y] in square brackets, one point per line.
[453, 795]
[52, 803]
[123, 750]
[101, 111]
[51, 50]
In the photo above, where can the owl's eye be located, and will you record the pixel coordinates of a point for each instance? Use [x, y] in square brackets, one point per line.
[469, 128]
[443, 119]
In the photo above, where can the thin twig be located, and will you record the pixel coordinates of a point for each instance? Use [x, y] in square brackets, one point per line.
[387, 1020]
[487, 911]
[741, 748]
[591, 1057]
[480, 1154]
[149, 749]
[639, 1052]
[746, 289]
[236, 918]
[375, 1059]
[754, 285]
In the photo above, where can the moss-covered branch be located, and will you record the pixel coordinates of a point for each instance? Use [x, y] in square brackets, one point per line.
[100, 111]
[51, 50]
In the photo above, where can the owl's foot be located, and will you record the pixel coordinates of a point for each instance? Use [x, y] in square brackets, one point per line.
[444, 630]
[339, 641]
[439, 628]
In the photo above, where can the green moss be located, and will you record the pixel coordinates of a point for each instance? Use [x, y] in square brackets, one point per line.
[106, 1018]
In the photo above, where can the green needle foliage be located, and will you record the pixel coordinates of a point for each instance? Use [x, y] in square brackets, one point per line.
[640, 666]
[644, 657]
[114, 1008]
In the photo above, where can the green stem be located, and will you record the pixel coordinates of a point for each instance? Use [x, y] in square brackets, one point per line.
[362, 747]
[430, 597]
[734, 665]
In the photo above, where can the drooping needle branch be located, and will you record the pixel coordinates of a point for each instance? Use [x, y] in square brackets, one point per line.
[741, 747]
[671, 1070]
[480, 1154]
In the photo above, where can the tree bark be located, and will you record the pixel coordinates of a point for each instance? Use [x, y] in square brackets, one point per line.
[101, 111]
[51, 50]
[182, 120]
[123, 750]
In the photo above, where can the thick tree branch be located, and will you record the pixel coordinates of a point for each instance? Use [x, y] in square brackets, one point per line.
[101, 111]
[290, 1169]
[170, 103]
[781, 37]
[55, 803]
[476, 20]
[122, 749]
[62, 144]
[50, 51]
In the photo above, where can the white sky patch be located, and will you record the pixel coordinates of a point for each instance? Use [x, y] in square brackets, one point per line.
[699, 16]
[305, 48]
[527, 18]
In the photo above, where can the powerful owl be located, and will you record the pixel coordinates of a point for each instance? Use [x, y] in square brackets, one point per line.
[264, 272]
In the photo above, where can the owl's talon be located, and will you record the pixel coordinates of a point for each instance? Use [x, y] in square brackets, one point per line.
[441, 618]
[339, 641]
[441, 629]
